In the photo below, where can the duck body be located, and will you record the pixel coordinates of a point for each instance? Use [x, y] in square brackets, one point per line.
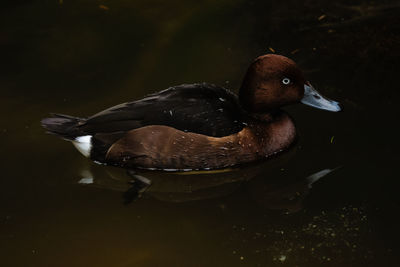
[146, 146]
[193, 127]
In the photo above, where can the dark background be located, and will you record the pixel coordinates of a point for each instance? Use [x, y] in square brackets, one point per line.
[79, 57]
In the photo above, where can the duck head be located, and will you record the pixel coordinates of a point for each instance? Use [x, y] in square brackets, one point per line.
[273, 81]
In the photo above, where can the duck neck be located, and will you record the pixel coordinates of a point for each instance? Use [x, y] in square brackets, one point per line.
[265, 117]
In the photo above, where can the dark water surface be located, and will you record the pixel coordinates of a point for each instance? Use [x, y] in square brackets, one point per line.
[79, 57]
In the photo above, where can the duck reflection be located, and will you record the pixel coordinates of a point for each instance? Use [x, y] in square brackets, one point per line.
[266, 182]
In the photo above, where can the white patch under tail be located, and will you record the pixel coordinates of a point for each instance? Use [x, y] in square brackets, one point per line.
[83, 144]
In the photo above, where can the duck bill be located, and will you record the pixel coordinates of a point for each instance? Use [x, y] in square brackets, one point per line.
[314, 99]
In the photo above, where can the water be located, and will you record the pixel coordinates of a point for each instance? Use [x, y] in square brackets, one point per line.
[79, 57]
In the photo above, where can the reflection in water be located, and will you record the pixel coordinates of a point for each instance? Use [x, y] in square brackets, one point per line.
[268, 188]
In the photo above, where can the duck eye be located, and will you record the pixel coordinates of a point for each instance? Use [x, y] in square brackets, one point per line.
[286, 81]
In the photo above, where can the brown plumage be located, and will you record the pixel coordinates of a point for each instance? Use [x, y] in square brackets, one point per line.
[163, 147]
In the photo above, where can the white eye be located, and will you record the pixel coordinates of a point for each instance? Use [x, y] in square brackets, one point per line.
[286, 81]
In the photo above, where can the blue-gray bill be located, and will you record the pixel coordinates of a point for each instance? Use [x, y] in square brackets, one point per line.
[316, 100]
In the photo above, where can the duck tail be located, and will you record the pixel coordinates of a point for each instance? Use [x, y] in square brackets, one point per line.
[63, 125]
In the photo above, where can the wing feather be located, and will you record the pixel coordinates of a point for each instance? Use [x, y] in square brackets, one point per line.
[199, 108]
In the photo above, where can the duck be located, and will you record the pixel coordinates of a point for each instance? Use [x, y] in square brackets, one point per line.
[197, 126]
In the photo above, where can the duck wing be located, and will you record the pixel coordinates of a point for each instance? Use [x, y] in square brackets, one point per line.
[199, 108]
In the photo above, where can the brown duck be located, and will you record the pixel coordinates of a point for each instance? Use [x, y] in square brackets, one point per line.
[197, 126]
